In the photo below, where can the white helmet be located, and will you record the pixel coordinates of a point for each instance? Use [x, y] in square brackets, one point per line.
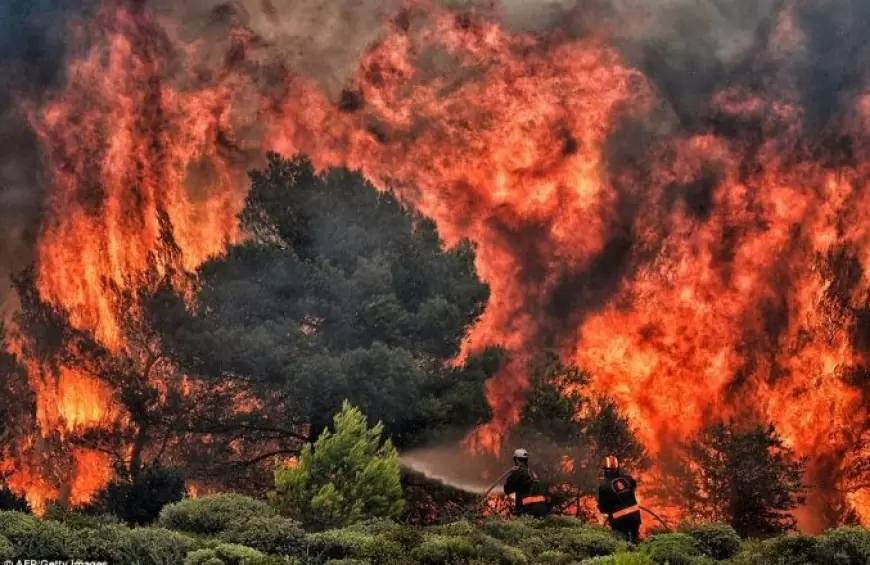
[521, 454]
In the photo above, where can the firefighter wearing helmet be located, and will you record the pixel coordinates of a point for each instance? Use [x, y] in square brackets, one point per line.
[522, 482]
[616, 499]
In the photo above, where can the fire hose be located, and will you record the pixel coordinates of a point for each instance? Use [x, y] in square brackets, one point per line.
[484, 496]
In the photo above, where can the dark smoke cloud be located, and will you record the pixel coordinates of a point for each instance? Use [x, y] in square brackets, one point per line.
[32, 48]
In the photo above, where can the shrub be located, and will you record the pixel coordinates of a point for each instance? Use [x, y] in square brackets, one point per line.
[235, 554]
[558, 521]
[268, 534]
[791, 549]
[348, 562]
[407, 537]
[719, 541]
[212, 514]
[106, 543]
[203, 557]
[348, 475]
[513, 532]
[493, 551]
[633, 558]
[38, 539]
[671, 549]
[14, 521]
[600, 560]
[553, 558]
[352, 544]
[157, 546]
[7, 551]
[340, 544]
[141, 500]
[461, 528]
[75, 520]
[445, 550]
[585, 542]
[846, 546]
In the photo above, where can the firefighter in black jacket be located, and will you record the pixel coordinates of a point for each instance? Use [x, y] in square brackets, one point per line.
[616, 498]
[524, 483]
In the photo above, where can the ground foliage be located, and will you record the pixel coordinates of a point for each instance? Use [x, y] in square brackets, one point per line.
[257, 537]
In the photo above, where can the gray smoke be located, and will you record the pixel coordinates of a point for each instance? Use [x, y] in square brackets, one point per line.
[457, 468]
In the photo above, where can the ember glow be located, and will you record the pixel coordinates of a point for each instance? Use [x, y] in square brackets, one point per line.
[696, 273]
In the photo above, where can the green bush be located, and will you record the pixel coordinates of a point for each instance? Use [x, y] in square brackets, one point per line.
[600, 560]
[719, 541]
[633, 558]
[461, 528]
[348, 562]
[407, 537]
[456, 550]
[212, 514]
[553, 558]
[751, 553]
[268, 534]
[583, 543]
[75, 520]
[341, 544]
[375, 526]
[514, 532]
[348, 475]
[203, 557]
[38, 539]
[445, 550]
[235, 554]
[791, 550]
[845, 546]
[106, 543]
[671, 549]
[493, 551]
[556, 521]
[157, 546]
[7, 551]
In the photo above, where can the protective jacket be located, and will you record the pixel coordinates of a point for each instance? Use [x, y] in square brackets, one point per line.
[531, 499]
[616, 498]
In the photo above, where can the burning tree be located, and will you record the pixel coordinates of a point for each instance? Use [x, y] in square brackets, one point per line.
[745, 477]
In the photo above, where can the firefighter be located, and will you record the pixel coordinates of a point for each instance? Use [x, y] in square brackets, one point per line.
[616, 498]
[525, 485]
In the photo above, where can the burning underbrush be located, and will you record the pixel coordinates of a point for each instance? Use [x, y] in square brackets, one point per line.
[689, 232]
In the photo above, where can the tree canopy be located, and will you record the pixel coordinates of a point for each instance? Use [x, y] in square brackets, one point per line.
[340, 293]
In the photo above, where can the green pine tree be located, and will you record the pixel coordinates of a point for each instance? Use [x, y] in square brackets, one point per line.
[348, 475]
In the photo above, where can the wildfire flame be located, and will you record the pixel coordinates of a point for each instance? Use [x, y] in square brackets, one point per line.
[694, 275]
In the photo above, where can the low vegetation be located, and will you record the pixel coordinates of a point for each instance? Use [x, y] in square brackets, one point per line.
[256, 536]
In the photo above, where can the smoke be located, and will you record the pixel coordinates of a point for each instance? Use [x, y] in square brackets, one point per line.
[453, 466]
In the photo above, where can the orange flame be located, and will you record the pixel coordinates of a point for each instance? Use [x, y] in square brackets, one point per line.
[682, 311]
